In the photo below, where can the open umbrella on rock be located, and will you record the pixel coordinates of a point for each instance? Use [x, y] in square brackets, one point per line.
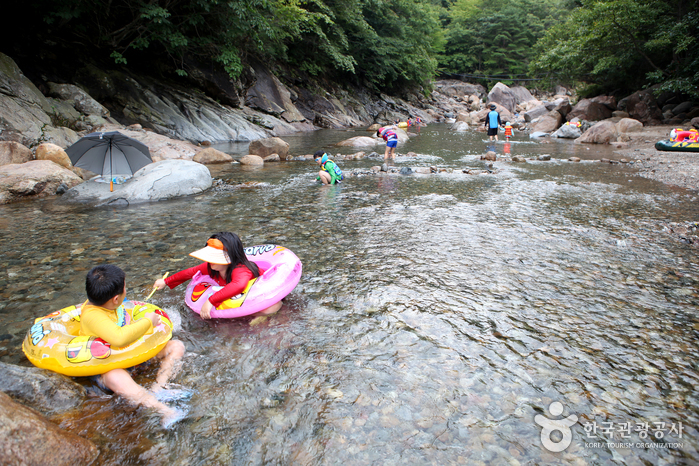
[110, 153]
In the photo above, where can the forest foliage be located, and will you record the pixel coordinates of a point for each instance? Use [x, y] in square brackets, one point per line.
[393, 44]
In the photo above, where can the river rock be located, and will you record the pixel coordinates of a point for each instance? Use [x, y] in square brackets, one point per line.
[375, 127]
[453, 88]
[548, 123]
[27, 438]
[568, 132]
[521, 94]
[156, 181]
[252, 160]
[406, 171]
[608, 101]
[271, 158]
[642, 106]
[561, 106]
[160, 147]
[268, 146]
[628, 125]
[574, 159]
[271, 96]
[64, 112]
[684, 107]
[14, 152]
[460, 126]
[535, 113]
[587, 109]
[359, 141]
[519, 159]
[211, 155]
[695, 122]
[537, 134]
[503, 95]
[600, 133]
[619, 114]
[60, 135]
[52, 152]
[41, 389]
[489, 156]
[36, 178]
[81, 100]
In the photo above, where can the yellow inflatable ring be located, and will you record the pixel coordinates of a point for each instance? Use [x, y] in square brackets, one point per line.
[54, 343]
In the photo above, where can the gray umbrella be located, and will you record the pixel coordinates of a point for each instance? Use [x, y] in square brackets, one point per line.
[109, 153]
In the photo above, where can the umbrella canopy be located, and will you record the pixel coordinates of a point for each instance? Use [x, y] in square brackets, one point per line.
[110, 153]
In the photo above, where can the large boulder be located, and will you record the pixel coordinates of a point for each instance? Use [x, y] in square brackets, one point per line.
[52, 152]
[460, 127]
[454, 88]
[628, 125]
[642, 106]
[501, 94]
[36, 178]
[589, 110]
[535, 113]
[43, 390]
[521, 94]
[211, 155]
[156, 181]
[603, 132]
[548, 123]
[359, 141]
[269, 146]
[561, 106]
[568, 132]
[81, 100]
[27, 438]
[14, 152]
[608, 101]
[505, 115]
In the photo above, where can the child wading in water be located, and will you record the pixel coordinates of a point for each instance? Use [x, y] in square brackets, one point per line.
[391, 138]
[106, 289]
[329, 172]
[508, 130]
[226, 263]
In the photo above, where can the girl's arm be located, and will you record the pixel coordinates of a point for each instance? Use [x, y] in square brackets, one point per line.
[181, 276]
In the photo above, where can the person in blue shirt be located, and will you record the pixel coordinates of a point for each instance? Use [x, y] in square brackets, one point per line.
[493, 122]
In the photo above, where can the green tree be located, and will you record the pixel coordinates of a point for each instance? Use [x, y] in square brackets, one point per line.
[624, 45]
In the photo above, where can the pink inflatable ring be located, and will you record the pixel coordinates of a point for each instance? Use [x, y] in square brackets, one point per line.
[282, 274]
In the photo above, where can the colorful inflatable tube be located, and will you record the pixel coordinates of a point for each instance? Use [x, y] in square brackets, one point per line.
[53, 342]
[677, 146]
[282, 274]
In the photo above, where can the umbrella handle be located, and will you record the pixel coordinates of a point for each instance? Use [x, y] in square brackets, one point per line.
[111, 185]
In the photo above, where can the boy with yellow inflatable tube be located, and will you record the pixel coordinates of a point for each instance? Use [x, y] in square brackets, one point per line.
[106, 290]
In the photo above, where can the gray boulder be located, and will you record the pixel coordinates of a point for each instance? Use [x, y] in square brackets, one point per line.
[538, 134]
[269, 146]
[642, 106]
[535, 113]
[41, 389]
[81, 100]
[603, 132]
[271, 96]
[588, 109]
[567, 132]
[460, 127]
[521, 94]
[503, 95]
[156, 181]
[548, 123]
[33, 179]
[14, 152]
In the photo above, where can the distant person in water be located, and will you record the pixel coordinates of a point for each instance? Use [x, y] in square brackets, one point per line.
[508, 130]
[493, 122]
[329, 172]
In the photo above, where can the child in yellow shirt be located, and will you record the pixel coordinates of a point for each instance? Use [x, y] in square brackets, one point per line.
[106, 289]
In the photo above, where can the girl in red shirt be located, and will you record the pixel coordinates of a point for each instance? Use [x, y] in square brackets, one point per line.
[226, 263]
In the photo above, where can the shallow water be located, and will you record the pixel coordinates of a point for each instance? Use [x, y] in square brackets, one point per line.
[436, 317]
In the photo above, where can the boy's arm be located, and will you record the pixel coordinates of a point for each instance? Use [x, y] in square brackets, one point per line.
[101, 325]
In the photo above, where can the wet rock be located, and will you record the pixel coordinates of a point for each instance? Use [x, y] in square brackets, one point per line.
[161, 180]
[211, 156]
[519, 158]
[269, 146]
[574, 159]
[37, 178]
[503, 95]
[422, 170]
[591, 110]
[544, 157]
[14, 152]
[375, 127]
[253, 160]
[271, 158]
[460, 127]
[52, 152]
[600, 133]
[535, 113]
[538, 134]
[384, 167]
[27, 438]
[41, 389]
[490, 156]
[605, 160]
[406, 171]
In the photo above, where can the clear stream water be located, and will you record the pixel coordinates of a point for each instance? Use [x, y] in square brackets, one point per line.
[437, 315]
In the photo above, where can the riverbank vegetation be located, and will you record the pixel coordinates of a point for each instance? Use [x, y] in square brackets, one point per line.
[390, 45]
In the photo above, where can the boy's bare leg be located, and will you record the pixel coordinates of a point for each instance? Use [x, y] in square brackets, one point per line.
[324, 177]
[120, 382]
[170, 356]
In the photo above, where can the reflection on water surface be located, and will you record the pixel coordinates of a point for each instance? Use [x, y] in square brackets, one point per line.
[437, 315]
